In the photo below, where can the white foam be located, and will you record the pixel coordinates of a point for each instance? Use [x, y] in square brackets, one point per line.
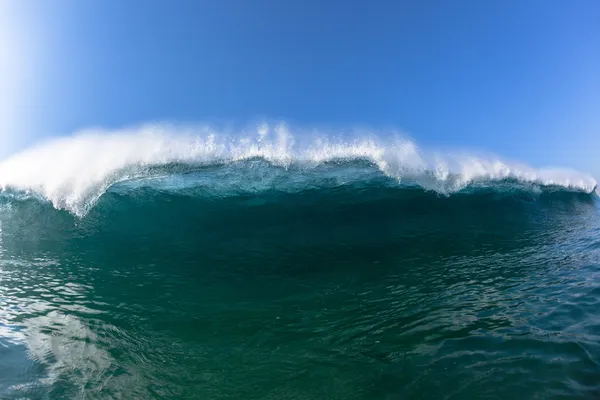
[73, 172]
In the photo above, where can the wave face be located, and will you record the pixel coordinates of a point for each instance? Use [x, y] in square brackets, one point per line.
[179, 264]
[73, 173]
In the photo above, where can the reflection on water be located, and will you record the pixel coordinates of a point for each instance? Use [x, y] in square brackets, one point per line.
[51, 341]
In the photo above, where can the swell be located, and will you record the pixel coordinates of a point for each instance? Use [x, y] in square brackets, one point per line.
[373, 218]
[185, 196]
[73, 173]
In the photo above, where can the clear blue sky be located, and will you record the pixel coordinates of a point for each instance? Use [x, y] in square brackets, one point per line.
[517, 78]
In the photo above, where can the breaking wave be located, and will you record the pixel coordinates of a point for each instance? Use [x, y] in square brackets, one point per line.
[74, 172]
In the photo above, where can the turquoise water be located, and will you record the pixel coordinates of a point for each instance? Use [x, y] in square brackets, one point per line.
[191, 285]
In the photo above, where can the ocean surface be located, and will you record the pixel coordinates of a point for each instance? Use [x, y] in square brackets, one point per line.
[151, 265]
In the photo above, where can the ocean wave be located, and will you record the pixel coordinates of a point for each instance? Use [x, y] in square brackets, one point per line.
[74, 172]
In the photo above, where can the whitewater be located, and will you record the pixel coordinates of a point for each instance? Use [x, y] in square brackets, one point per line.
[73, 172]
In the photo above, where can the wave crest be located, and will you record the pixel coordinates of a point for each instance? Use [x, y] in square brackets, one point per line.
[73, 172]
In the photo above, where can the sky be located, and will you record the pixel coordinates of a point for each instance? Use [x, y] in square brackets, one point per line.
[517, 78]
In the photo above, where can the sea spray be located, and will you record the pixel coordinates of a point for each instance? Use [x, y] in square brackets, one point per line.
[73, 172]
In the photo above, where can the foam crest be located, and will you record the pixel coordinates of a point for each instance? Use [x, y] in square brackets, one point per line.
[73, 172]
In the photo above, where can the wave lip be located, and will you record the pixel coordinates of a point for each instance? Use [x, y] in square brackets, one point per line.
[73, 172]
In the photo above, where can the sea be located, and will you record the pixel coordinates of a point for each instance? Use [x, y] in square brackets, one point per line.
[188, 263]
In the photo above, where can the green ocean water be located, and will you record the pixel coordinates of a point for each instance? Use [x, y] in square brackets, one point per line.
[367, 290]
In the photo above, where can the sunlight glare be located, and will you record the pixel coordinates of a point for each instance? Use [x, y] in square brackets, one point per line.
[13, 73]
